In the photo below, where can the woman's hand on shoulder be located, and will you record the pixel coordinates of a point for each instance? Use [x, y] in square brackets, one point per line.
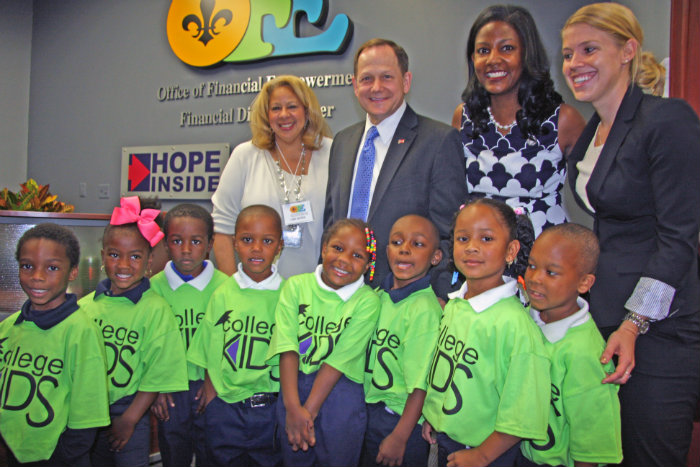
[571, 124]
[457, 117]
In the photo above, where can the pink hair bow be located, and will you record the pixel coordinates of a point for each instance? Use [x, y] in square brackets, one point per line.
[130, 212]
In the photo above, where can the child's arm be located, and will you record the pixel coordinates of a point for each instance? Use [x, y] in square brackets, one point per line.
[123, 425]
[206, 394]
[584, 464]
[427, 432]
[160, 406]
[299, 423]
[496, 444]
[392, 448]
[325, 381]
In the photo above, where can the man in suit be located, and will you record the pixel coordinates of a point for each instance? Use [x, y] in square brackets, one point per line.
[409, 164]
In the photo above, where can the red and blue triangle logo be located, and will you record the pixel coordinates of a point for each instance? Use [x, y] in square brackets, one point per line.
[139, 172]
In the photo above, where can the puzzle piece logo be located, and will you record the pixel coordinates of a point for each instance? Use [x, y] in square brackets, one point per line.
[206, 32]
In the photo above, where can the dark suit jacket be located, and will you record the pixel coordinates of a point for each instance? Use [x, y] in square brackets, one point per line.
[645, 189]
[424, 173]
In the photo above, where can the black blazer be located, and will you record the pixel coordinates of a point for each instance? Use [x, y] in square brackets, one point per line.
[645, 190]
[424, 173]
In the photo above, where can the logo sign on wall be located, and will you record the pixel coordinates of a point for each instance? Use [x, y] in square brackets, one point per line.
[206, 32]
[184, 171]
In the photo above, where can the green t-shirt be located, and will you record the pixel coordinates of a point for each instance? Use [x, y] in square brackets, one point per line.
[401, 350]
[584, 415]
[489, 373]
[50, 379]
[142, 341]
[318, 325]
[188, 301]
[232, 341]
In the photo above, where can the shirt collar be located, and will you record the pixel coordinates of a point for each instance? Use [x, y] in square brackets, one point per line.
[49, 318]
[487, 299]
[397, 295]
[554, 332]
[134, 294]
[344, 292]
[272, 282]
[200, 282]
[387, 127]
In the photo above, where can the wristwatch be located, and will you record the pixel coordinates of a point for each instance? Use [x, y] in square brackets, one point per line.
[639, 321]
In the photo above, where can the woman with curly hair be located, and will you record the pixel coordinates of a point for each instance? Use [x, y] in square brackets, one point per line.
[514, 127]
[284, 165]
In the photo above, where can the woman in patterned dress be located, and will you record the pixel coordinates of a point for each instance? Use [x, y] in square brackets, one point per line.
[514, 127]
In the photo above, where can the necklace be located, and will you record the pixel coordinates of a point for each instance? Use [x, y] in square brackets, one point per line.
[297, 173]
[498, 125]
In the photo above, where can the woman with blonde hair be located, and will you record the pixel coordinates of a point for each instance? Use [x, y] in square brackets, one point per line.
[285, 166]
[636, 170]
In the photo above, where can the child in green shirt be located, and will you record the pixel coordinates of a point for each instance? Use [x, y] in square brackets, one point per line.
[187, 282]
[323, 323]
[399, 355]
[231, 344]
[488, 383]
[145, 354]
[53, 388]
[584, 415]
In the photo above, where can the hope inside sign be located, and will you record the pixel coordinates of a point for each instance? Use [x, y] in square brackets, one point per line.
[184, 171]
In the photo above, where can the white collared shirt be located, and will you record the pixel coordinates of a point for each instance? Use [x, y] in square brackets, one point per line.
[200, 282]
[344, 292]
[487, 299]
[585, 168]
[555, 331]
[272, 282]
[386, 129]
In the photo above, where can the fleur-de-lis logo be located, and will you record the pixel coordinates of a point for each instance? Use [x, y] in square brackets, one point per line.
[204, 32]
[206, 24]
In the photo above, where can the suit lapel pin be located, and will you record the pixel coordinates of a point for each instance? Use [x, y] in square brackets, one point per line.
[401, 141]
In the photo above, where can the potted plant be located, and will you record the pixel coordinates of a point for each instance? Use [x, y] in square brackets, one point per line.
[32, 197]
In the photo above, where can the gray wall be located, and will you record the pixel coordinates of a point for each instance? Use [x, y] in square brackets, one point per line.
[15, 57]
[96, 66]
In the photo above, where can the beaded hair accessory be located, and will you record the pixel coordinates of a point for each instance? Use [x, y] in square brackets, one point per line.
[130, 212]
[372, 250]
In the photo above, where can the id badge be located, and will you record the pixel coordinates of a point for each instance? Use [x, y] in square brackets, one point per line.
[291, 234]
[298, 212]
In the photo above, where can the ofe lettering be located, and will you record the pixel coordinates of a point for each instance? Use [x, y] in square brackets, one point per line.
[205, 33]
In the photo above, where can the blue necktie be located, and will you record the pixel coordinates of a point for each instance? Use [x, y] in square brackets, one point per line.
[363, 177]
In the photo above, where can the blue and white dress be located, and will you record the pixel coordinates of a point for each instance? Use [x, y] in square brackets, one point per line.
[527, 173]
